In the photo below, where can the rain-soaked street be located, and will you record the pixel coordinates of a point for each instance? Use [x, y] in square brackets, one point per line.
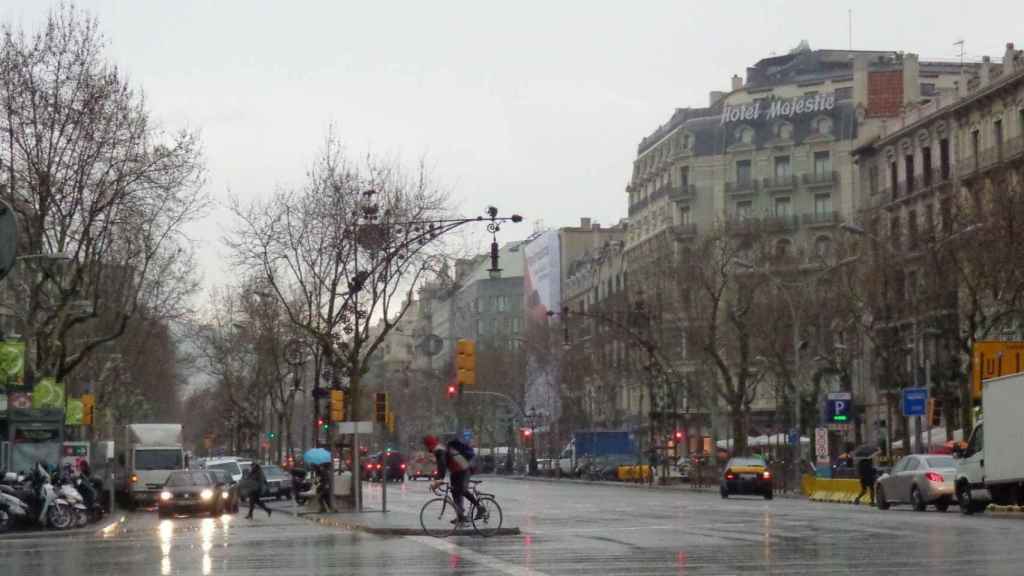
[567, 529]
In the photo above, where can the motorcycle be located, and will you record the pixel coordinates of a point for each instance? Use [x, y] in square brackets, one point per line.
[33, 499]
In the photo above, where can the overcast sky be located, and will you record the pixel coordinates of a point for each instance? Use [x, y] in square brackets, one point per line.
[536, 107]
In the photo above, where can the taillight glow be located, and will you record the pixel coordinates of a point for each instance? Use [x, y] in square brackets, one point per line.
[134, 478]
[767, 475]
[934, 477]
[729, 475]
[403, 466]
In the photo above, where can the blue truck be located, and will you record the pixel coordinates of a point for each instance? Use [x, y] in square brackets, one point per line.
[597, 444]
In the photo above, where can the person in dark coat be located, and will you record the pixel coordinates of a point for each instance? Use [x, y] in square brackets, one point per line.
[258, 486]
[866, 471]
[455, 459]
[323, 487]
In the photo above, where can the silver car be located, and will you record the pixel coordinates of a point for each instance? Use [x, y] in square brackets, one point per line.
[918, 480]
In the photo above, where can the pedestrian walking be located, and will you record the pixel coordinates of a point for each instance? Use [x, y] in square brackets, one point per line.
[323, 488]
[257, 486]
[867, 472]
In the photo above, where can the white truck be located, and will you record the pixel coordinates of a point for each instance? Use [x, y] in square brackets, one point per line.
[145, 458]
[991, 467]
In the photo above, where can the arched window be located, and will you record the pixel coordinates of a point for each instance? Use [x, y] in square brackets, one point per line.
[823, 247]
[823, 125]
[784, 131]
[744, 135]
[783, 248]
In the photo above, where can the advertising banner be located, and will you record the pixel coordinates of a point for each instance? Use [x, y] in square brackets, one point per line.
[542, 293]
[12, 363]
[48, 393]
[73, 416]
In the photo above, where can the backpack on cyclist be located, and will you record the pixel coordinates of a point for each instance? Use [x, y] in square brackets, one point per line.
[460, 456]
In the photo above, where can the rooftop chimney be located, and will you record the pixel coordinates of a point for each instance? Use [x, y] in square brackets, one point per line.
[584, 223]
[911, 79]
[737, 82]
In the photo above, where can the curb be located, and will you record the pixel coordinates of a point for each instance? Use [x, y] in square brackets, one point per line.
[338, 523]
[636, 485]
[1005, 510]
[31, 533]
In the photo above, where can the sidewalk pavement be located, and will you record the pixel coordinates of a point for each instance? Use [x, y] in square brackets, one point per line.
[639, 486]
[390, 523]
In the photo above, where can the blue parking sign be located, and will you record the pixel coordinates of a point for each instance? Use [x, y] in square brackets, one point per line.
[839, 407]
[915, 401]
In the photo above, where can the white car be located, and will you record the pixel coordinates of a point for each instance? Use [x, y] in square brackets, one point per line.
[236, 467]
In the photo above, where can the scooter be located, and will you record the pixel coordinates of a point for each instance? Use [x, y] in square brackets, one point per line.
[38, 499]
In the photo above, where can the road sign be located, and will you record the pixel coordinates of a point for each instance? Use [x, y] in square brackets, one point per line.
[821, 445]
[838, 407]
[915, 401]
[794, 436]
[467, 435]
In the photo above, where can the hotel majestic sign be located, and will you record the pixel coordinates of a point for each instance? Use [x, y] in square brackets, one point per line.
[782, 108]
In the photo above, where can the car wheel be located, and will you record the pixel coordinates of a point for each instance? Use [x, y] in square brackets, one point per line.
[963, 496]
[880, 500]
[917, 500]
[942, 505]
[724, 492]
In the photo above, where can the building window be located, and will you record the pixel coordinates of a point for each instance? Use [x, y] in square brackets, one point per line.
[782, 207]
[873, 178]
[684, 177]
[997, 132]
[501, 303]
[944, 158]
[894, 230]
[926, 161]
[927, 89]
[894, 182]
[517, 324]
[912, 228]
[781, 167]
[975, 146]
[947, 215]
[782, 248]
[743, 173]
[684, 216]
[481, 327]
[822, 163]
[822, 204]
[823, 247]
[908, 162]
[823, 126]
[743, 209]
[844, 93]
[929, 221]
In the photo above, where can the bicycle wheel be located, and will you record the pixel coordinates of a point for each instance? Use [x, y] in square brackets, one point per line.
[487, 516]
[438, 517]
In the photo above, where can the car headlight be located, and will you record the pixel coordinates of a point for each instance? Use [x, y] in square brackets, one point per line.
[165, 495]
[225, 495]
[206, 494]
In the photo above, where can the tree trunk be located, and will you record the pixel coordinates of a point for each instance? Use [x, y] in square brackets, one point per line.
[739, 429]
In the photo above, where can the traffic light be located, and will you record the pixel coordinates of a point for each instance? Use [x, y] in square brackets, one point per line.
[337, 405]
[380, 407]
[452, 391]
[322, 424]
[88, 405]
[391, 422]
[934, 412]
[465, 362]
[271, 435]
[527, 433]
[679, 435]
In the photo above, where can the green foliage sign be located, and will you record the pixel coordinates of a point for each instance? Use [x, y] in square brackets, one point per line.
[12, 362]
[73, 417]
[48, 393]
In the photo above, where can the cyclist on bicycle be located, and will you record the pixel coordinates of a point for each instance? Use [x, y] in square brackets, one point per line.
[455, 458]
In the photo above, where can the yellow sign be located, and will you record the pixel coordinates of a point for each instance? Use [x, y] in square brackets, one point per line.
[465, 362]
[88, 405]
[991, 359]
[391, 422]
[337, 405]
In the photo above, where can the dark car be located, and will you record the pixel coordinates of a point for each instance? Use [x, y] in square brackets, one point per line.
[189, 491]
[746, 476]
[227, 489]
[279, 482]
[371, 467]
[391, 466]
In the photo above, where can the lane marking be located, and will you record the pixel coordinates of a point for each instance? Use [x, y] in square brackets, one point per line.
[489, 562]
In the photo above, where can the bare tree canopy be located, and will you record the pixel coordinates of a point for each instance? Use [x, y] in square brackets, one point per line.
[341, 252]
[100, 191]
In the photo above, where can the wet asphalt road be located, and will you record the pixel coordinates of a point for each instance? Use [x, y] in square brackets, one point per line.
[567, 529]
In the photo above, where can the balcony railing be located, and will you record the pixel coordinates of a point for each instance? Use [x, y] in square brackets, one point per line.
[741, 187]
[1014, 147]
[830, 218]
[683, 193]
[688, 230]
[821, 178]
[638, 206]
[777, 183]
[781, 222]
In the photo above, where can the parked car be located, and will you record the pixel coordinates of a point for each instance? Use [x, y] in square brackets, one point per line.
[422, 465]
[189, 491]
[746, 476]
[279, 482]
[919, 480]
[371, 465]
[233, 466]
[227, 490]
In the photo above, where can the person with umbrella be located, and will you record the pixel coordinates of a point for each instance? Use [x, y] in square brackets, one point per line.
[257, 486]
[865, 456]
[320, 460]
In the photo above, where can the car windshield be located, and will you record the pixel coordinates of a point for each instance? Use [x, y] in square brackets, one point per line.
[746, 462]
[941, 462]
[158, 459]
[179, 479]
[220, 476]
[271, 470]
[229, 467]
[245, 466]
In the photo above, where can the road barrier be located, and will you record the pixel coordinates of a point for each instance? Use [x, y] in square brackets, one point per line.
[630, 473]
[830, 489]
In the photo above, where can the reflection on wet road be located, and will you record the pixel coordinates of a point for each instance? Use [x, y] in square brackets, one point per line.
[568, 529]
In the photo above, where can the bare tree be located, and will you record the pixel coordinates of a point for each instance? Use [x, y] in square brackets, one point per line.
[345, 250]
[95, 182]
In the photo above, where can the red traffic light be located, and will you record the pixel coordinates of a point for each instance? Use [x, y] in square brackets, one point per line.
[451, 390]
[679, 435]
[527, 432]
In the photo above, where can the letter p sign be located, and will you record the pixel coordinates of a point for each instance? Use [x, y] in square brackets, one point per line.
[839, 408]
